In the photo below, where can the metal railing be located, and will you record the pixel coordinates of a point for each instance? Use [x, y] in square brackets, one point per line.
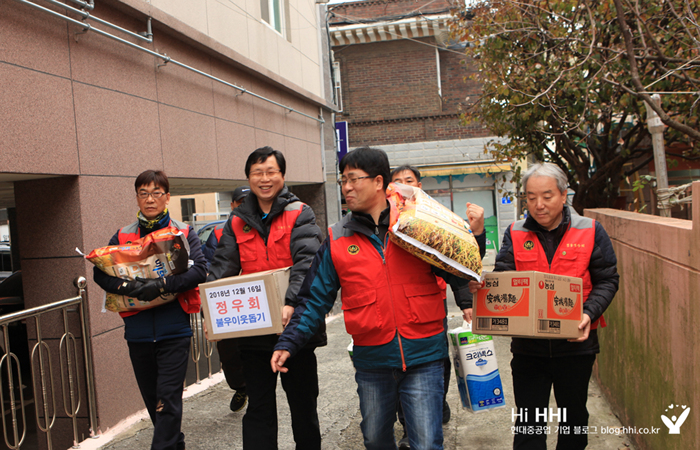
[42, 372]
[13, 404]
[200, 346]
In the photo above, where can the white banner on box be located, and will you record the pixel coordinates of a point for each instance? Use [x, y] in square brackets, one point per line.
[237, 307]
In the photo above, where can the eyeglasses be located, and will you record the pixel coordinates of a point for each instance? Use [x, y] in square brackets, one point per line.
[352, 181]
[259, 173]
[156, 195]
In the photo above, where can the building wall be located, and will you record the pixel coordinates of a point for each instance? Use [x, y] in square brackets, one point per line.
[649, 350]
[237, 24]
[391, 93]
[103, 108]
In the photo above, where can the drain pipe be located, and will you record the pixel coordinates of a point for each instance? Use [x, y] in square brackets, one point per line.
[87, 27]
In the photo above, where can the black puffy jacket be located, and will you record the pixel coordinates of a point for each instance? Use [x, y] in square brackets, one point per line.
[604, 277]
[305, 241]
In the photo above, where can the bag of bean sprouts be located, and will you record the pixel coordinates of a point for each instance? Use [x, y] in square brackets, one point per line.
[428, 230]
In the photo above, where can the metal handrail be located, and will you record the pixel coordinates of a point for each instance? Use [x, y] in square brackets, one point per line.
[199, 345]
[42, 372]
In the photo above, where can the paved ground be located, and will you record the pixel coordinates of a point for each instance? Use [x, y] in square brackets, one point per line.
[209, 424]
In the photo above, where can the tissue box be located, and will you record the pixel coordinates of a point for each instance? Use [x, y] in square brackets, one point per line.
[476, 370]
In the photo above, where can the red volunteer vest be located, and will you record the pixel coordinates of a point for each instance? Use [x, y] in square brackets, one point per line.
[219, 230]
[382, 296]
[572, 257]
[189, 300]
[255, 255]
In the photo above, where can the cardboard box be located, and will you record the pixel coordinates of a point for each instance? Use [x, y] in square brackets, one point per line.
[529, 304]
[476, 370]
[246, 305]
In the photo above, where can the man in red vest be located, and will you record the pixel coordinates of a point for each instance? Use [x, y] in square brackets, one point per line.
[554, 239]
[272, 229]
[410, 176]
[392, 307]
[159, 338]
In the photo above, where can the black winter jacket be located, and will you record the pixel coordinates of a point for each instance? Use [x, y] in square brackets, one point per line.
[305, 241]
[604, 277]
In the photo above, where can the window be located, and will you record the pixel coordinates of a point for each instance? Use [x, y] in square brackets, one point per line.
[188, 209]
[274, 13]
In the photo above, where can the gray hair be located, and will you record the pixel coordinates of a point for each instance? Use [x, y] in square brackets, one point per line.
[547, 170]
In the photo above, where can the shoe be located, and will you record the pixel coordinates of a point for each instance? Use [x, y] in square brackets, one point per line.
[445, 412]
[239, 400]
[403, 443]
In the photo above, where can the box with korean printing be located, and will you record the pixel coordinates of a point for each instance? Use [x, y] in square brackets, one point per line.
[476, 370]
[246, 305]
[529, 304]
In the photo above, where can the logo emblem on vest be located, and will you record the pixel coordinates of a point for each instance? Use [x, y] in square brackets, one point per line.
[528, 245]
[353, 249]
[246, 228]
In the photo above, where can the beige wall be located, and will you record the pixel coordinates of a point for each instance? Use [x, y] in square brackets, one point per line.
[204, 203]
[238, 24]
[650, 350]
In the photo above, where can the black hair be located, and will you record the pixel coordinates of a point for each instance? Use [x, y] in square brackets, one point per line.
[372, 160]
[260, 156]
[157, 177]
[416, 172]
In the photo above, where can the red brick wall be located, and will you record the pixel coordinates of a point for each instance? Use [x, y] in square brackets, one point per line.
[390, 93]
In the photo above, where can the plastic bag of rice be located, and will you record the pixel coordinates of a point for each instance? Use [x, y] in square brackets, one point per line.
[426, 229]
[159, 254]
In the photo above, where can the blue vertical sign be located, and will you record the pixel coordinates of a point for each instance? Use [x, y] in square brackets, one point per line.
[341, 135]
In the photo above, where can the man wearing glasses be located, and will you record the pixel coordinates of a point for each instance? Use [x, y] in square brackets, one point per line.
[272, 229]
[410, 176]
[159, 338]
[393, 308]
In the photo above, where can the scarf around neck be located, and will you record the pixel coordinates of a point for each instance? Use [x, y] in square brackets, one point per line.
[151, 225]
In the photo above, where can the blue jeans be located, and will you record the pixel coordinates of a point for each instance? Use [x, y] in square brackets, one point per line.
[420, 389]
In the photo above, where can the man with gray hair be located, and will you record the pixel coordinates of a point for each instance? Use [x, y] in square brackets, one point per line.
[553, 240]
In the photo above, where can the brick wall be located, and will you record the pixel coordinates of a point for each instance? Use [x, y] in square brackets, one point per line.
[390, 92]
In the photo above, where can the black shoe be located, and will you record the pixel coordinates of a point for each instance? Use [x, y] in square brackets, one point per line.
[445, 412]
[239, 400]
[403, 443]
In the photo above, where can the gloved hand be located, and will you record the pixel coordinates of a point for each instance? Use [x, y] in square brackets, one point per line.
[128, 286]
[151, 289]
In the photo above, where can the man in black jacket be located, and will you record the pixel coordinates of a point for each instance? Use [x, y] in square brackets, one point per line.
[159, 338]
[555, 240]
[272, 229]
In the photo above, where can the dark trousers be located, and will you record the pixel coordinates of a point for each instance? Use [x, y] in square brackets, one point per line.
[230, 357]
[533, 378]
[160, 369]
[301, 386]
[446, 377]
